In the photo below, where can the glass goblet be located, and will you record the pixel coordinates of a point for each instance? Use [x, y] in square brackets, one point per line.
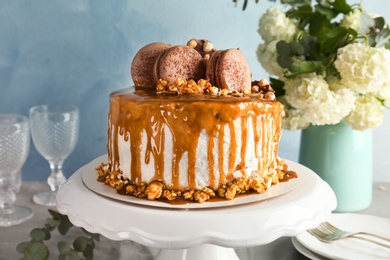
[54, 130]
[14, 148]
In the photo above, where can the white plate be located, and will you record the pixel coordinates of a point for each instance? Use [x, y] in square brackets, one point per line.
[351, 249]
[89, 179]
[306, 252]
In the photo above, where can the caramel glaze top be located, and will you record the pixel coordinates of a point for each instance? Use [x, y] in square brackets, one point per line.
[134, 112]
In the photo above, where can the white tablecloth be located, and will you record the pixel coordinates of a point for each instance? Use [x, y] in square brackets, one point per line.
[281, 249]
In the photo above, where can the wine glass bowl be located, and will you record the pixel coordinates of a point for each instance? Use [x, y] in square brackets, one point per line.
[14, 149]
[54, 130]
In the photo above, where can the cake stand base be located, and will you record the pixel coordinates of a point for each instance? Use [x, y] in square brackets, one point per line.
[205, 251]
[198, 233]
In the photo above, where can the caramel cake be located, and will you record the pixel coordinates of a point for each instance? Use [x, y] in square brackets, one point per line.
[194, 140]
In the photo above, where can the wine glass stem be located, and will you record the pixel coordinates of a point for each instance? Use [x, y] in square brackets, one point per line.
[56, 177]
[7, 194]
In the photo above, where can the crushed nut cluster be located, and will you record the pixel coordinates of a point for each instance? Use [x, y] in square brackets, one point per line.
[205, 48]
[156, 190]
[260, 89]
[182, 86]
[263, 89]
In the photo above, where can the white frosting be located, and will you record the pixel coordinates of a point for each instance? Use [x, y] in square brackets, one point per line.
[202, 171]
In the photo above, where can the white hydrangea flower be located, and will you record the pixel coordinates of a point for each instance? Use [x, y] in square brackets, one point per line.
[293, 119]
[367, 113]
[267, 56]
[352, 20]
[311, 95]
[274, 25]
[364, 69]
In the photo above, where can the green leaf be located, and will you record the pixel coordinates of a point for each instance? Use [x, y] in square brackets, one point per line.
[21, 247]
[69, 256]
[331, 71]
[304, 67]
[92, 235]
[88, 252]
[284, 54]
[319, 25]
[64, 226]
[283, 48]
[301, 13]
[383, 38]
[284, 61]
[341, 6]
[379, 22]
[63, 247]
[37, 251]
[296, 2]
[277, 85]
[56, 215]
[328, 12]
[334, 39]
[38, 234]
[80, 244]
[385, 33]
[297, 48]
[52, 223]
[308, 42]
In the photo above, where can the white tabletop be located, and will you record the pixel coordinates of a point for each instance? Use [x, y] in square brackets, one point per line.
[282, 248]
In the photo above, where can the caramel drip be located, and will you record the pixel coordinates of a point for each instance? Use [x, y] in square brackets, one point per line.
[232, 151]
[143, 116]
[263, 144]
[221, 154]
[210, 157]
[135, 166]
[175, 169]
[156, 148]
[244, 129]
[256, 130]
[192, 161]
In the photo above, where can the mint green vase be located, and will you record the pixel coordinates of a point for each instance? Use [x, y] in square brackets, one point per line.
[342, 157]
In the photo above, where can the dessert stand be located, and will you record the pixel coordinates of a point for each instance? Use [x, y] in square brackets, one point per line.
[198, 233]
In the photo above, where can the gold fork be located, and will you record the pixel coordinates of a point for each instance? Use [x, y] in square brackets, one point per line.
[327, 233]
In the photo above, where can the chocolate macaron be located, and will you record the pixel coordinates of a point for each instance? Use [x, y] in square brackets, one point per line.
[179, 62]
[143, 63]
[229, 69]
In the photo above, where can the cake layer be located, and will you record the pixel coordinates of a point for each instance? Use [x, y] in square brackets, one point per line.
[190, 142]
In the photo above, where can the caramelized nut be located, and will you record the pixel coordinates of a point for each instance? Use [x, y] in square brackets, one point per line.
[231, 192]
[171, 195]
[224, 92]
[221, 192]
[263, 83]
[255, 88]
[207, 46]
[154, 190]
[270, 96]
[192, 43]
[188, 195]
[200, 196]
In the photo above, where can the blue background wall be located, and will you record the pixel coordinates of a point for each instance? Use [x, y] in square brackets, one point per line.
[79, 51]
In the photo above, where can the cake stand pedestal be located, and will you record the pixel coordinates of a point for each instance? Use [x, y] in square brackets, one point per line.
[204, 233]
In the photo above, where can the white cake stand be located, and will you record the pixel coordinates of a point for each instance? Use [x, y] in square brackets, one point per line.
[206, 233]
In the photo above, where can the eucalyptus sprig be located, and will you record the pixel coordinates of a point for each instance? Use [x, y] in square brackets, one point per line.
[35, 249]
